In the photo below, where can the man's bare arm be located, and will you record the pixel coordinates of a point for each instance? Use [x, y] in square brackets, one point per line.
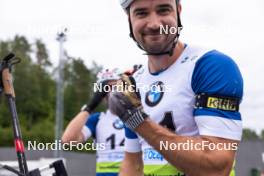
[191, 162]
[132, 165]
[73, 131]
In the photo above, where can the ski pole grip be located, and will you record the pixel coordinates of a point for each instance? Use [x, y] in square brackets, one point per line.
[9, 56]
[8, 83]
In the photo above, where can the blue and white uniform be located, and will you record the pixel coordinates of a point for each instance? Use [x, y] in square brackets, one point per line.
[171, 102]
[108, 129]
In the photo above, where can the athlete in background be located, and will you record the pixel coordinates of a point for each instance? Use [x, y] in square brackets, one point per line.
[106, 128]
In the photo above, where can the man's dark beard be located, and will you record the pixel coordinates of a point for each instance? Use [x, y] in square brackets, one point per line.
[158, 48]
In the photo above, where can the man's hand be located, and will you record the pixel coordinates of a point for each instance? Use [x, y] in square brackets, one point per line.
[96, 99]
[125, 103]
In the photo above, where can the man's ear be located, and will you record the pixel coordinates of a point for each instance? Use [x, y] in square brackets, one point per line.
[179, 8]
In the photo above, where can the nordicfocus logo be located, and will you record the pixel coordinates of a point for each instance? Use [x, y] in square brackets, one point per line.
[170, 30]
[130, 88]
[58, 145]
[203, 145]
[155, 94]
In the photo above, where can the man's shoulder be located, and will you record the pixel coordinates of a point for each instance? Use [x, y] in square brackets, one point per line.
[217, 60]
[199, 54]
[200, 57]
[217, 71]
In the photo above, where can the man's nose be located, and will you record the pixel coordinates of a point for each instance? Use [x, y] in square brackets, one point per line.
[153, 21]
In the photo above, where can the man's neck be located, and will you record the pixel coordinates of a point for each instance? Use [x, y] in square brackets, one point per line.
[158, 63]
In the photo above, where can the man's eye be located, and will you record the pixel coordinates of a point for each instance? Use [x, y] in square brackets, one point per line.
[141, 14]
[164, 11]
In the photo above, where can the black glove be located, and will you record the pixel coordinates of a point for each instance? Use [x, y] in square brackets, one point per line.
[96, 99]
[125, 103]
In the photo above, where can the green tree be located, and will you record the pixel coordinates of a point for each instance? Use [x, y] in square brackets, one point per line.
[262, 134]
[35, 94]
[4, 48]
[249, 134]
[42, 54]
[21, 47]
[78, 86]
[35, 90]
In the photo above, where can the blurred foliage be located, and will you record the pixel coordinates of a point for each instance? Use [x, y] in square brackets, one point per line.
[249, 134]
[262, 134]
[35, 88]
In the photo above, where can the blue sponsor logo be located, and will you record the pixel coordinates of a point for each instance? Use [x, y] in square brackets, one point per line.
[151, 154]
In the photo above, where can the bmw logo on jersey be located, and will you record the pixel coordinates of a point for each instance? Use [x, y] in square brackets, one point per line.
[155, 94]
[118, 124]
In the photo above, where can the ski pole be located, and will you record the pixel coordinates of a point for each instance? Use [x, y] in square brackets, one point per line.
[6, 65]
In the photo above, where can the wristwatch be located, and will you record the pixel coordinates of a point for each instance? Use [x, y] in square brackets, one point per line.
[84, 108]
